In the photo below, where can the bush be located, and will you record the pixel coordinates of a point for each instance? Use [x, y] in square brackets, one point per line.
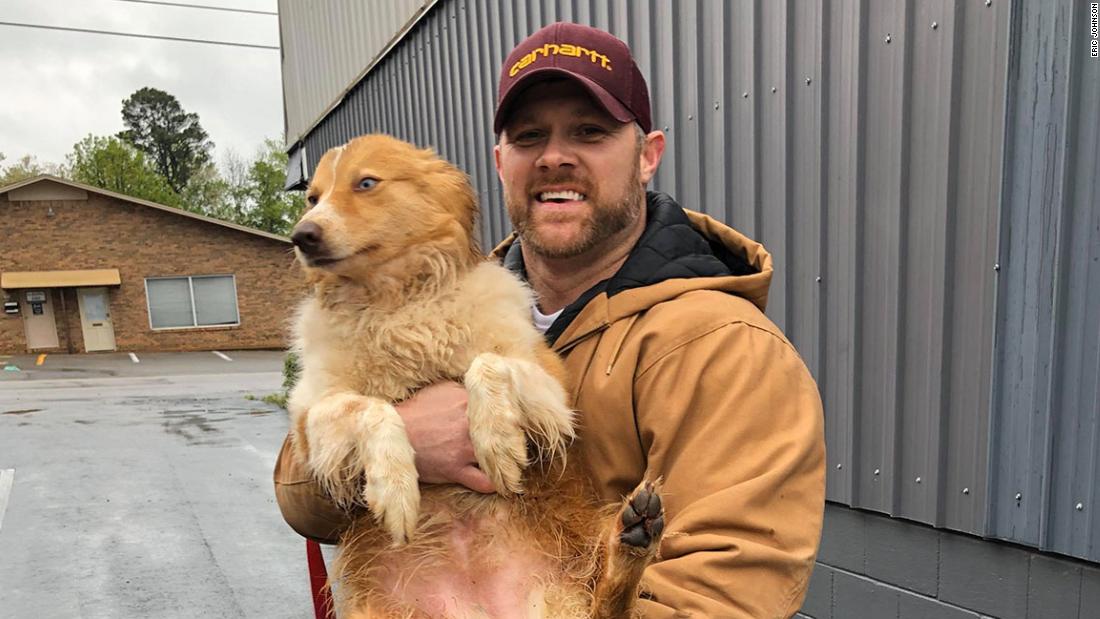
[291, 371]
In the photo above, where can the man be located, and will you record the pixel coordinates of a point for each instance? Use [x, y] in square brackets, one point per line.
[657, 313]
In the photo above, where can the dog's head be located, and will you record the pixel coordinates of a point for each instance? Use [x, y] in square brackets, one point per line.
[376, 203]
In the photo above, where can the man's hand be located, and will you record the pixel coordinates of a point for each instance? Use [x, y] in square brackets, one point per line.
[439, 431]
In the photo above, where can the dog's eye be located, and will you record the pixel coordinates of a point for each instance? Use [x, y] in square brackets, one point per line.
[367, 183]
[312, 200]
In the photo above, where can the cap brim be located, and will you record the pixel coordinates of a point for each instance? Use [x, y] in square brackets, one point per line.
[606, 100]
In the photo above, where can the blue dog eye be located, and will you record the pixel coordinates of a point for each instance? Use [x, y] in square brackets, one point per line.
[368, 182]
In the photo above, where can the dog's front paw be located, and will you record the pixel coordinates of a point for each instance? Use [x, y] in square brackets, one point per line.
[331, 436]
[500, 444]
[359, 452]
[391, 487]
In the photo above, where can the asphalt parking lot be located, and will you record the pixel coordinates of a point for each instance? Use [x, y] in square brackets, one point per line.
[143, 489]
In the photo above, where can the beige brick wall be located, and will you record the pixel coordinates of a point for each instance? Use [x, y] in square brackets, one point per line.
[102, 233]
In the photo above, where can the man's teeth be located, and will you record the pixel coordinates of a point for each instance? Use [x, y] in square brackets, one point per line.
[546, 196]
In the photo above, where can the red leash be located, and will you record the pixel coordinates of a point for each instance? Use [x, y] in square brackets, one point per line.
[318, 577]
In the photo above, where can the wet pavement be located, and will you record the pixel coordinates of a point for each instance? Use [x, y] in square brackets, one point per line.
[144, 490]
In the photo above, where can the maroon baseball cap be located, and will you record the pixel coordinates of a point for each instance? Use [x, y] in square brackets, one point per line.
[598, 61]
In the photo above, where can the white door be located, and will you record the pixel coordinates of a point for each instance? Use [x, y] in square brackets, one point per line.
[95, 319]
[38, 319]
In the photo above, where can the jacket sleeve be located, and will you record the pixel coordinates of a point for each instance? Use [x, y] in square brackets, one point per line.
[305, 507]
[742, 454]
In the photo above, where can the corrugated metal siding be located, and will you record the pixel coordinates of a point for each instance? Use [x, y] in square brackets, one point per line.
[1046, 437]
[327, 45]
[863, 146]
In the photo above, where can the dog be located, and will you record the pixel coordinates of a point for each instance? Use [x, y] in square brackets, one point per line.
[402, 297]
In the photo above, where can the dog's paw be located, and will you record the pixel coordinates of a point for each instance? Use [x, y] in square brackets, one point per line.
[642, 519]
[500, 444]
[332, 438]
[360, 454]
[393, 496]
[544, 408]
[502, 457]
[391, 485]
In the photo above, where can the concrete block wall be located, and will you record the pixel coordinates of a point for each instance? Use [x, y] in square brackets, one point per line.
[871, 566]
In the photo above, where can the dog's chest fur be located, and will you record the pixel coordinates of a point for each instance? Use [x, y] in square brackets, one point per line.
[393, 352]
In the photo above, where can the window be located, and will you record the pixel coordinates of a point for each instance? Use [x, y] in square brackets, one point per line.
[195, 301]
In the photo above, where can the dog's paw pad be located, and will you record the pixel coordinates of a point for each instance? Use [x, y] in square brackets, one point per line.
[643, 517]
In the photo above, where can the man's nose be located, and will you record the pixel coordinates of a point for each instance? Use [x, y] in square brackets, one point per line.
[307, 237]
[556, 153]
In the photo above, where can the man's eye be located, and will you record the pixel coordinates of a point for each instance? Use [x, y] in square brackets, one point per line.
[591, 131]
[527, 137]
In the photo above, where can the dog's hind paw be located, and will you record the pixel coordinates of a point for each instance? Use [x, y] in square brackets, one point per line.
[642, 519]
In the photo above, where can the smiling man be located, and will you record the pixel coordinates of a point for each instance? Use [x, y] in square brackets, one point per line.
[658, 314]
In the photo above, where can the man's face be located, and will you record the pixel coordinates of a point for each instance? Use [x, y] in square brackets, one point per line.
[573, 176]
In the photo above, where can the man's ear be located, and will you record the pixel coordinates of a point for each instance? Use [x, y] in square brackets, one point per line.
[496, 161]
[650, 156]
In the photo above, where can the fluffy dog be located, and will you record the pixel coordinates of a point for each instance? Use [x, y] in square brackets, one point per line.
[402, 297]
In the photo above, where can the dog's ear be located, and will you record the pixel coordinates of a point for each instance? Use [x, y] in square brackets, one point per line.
[451, 187]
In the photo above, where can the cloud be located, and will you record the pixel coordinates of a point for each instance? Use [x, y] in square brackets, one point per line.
[60, 86]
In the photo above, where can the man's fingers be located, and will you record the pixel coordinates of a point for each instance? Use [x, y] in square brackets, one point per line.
[474, 479]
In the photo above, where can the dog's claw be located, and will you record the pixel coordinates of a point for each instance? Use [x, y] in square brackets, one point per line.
[643, 518]
[504, 471]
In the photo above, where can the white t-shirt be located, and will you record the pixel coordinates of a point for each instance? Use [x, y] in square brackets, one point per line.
[543, 321]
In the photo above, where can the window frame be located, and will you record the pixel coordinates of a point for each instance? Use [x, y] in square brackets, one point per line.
[191, 293]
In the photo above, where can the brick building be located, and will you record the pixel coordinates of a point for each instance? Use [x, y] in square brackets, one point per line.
[83, 270]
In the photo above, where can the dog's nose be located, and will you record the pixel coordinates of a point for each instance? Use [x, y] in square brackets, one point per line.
[307, 237]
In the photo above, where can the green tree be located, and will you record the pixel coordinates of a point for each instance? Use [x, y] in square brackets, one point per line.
[207, 193]
[25, 167]
[111, 164]
[173, 139]
[254, 191]
[272, 208]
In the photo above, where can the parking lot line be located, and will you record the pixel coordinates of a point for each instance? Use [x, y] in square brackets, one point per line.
[7, 478]
[222, 355]
[41, 359]
[134, 358]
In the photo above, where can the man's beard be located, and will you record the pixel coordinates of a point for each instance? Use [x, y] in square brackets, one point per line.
[604, 221]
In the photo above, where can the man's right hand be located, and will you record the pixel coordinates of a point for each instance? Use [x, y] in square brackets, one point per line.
[439, 431]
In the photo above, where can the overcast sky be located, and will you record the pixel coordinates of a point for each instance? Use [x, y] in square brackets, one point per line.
[59, 86]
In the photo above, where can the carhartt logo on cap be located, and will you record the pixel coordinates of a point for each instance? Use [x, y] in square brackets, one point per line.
[600, 63]
[564, 49]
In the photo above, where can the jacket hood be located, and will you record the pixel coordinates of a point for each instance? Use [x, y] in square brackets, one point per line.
[679, 251]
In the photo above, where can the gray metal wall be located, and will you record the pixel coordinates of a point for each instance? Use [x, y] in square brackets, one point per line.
[328, 45]
[1046, 424]
[863, 141]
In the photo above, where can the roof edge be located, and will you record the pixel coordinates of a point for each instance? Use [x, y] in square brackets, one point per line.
[141, 202]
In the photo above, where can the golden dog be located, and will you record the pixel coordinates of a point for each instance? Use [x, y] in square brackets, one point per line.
[403, 297]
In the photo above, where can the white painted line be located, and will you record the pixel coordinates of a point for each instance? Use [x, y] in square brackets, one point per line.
[222, 355]
[7, 478]
[134, 358]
